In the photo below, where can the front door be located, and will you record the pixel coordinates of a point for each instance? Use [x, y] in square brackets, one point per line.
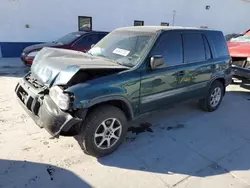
[160, 87]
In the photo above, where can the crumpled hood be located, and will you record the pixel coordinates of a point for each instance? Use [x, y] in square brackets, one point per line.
[239, 49]
[58, 66]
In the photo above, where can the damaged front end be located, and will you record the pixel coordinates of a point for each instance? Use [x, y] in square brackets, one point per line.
[241, 67]
[42, 92]
[35, 99]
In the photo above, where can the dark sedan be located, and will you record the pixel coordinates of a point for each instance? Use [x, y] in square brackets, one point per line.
[80, 41]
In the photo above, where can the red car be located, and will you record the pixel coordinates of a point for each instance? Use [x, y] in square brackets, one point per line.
[80, 41]
[239, 49]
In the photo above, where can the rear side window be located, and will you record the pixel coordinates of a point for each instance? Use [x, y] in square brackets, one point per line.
[194, 49]
[219, 43]
[88, 40]
[169, 45]
[207, 48]
[100, 36]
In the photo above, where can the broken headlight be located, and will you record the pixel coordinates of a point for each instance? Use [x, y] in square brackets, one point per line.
[59, 97]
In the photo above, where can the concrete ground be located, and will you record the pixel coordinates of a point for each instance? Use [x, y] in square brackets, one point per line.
[187, 148]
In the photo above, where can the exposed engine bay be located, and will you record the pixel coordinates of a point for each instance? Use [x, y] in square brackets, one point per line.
[241, 62]
[85, 75]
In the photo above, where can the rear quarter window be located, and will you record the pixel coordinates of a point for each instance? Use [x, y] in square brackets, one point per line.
[218, 41]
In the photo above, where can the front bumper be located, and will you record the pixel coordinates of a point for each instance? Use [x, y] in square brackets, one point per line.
[241, 73]
[42, 109]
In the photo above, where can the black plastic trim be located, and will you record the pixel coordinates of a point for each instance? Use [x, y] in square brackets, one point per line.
[241, 72]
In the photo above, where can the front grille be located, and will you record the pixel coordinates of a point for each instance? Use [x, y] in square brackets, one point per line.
[22, 94]
[30, 101]
[33, 81]
[239, 62]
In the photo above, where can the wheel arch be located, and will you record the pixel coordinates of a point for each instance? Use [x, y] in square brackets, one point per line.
[118, 101]
[220, 79]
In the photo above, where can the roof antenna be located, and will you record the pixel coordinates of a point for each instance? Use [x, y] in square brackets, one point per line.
[174, 13]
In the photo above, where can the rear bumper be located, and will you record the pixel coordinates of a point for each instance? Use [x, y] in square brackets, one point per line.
[241, 73]
[44, 111]
[228, 79]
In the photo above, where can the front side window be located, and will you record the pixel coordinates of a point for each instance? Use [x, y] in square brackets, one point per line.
[84, 23]
[169, 45]
[68, 38]
[124, 47]
[194, 49]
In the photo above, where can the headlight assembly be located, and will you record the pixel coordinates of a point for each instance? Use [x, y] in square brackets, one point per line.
[61, 99]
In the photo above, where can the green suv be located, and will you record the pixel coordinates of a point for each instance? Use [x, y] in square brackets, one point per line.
[132, 71]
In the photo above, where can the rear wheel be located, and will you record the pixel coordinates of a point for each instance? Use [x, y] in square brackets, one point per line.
[104, 130]
[213, 98]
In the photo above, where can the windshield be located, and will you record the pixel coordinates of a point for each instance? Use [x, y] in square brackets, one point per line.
[241, 39]
[125, 47]
[68, 38]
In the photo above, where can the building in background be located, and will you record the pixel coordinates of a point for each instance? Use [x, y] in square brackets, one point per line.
[25, 22]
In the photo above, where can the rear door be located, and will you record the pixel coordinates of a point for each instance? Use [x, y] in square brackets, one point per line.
[159, 87]
[198, 68]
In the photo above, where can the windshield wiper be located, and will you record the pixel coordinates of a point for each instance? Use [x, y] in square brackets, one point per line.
[126, 64]
[101, 55]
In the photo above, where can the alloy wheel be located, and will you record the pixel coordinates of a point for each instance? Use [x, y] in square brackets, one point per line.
[107, 133]
[215, 97]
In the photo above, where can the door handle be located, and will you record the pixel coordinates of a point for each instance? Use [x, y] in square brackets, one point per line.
[181, 73]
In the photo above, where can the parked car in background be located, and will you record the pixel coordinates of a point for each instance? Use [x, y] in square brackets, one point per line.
[131, 72]
[80, 41]
[239, 49]
[233, 35]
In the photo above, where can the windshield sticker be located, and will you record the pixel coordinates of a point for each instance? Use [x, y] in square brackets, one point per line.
[121, 52]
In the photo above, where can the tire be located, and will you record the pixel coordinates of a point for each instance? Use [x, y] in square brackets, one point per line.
[93, 125]
[206, 103]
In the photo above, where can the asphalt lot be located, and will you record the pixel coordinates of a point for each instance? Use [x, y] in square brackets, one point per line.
[186, 147]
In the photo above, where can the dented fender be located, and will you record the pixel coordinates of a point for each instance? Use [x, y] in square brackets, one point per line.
[87, 95]
[106, 89]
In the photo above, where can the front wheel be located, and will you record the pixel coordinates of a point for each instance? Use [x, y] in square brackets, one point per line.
[104, 129]
[213, 98]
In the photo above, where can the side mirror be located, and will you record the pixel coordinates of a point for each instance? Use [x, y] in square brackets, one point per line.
[92, 45]
[156, 61]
